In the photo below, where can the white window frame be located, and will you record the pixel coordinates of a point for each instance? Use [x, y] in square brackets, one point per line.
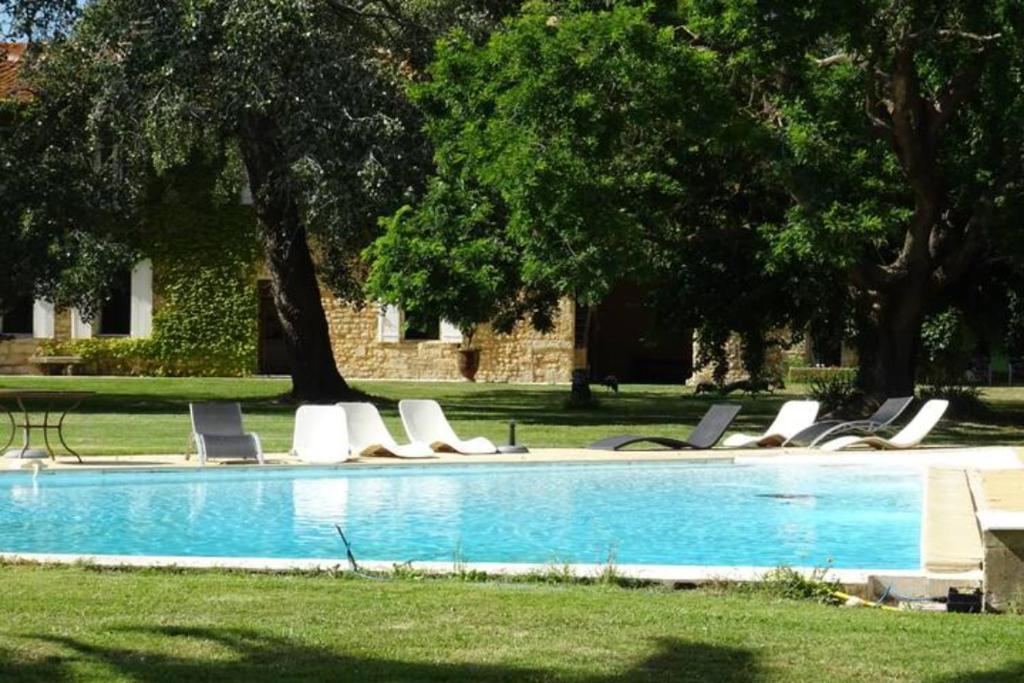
[43, 322]
[391, 326]
[141, 315]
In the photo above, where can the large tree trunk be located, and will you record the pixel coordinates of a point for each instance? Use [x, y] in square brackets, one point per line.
[315, 375]
[888, 366]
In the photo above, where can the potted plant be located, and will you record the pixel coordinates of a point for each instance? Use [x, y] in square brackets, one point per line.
[469, 356]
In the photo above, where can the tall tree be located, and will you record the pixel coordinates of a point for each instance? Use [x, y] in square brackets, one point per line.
[902, 150]
[577, 150]
[764, 153]
[301, 99]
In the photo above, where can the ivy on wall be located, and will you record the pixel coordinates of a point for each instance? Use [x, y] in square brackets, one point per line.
[205, 254]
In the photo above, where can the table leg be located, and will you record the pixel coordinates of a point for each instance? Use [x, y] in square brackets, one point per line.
[46, 431]
[60, 429]
[14, 429]
[26, 437]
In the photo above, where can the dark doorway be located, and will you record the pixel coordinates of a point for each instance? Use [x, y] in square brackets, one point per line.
[627, 342]
[272, 352]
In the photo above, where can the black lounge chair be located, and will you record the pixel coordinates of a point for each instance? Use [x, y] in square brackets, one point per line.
[886, 414]
[709, 430]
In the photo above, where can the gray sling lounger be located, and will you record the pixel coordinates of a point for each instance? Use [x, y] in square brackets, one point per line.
[886, 414]
[217, 432]
[707, 433]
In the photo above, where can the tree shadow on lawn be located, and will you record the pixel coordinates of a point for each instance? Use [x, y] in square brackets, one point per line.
[1013, 673]
[548, 408]
[254, 656]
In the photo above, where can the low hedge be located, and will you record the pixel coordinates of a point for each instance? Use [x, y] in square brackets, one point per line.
[806, 375]
[147, 357]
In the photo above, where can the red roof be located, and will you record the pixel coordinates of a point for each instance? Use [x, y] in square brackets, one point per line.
[10, 56]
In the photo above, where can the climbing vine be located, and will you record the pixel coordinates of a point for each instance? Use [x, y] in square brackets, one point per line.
[205, 254]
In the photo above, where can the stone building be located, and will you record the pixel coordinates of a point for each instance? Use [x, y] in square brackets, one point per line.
[159, 319]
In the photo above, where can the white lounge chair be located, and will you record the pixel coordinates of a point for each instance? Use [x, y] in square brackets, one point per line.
[910, 436]
[368, 435]
[321, 435]
[425, 423]
[218, 433]
[793, 417]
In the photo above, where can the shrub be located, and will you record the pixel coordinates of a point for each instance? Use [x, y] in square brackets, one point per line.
[964, 400]
[786, 582]
[835, 392]
[807, 375]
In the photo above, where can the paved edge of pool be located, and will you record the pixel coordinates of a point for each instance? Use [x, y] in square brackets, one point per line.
[911, 582]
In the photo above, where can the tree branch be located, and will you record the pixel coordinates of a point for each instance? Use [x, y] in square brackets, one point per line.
[961, 86]
[867, 275]
[954, 34]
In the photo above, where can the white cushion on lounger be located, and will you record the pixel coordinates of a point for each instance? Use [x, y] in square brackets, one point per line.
[425, 423]
[368, 435]
[793, 417]
[321, 435]
[910, 436]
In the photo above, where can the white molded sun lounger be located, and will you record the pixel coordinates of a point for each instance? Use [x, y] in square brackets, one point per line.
[368, 435]
[218, 433]
[910, 436]
[425, 423]
[321, 435]
[793, 417]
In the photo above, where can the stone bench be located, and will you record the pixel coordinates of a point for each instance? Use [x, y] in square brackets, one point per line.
[56, 365]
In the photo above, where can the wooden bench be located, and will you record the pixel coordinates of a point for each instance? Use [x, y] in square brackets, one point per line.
[56, 365]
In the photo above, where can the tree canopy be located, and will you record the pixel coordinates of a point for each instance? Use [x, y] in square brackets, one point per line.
[746, 159]
[300, 99]
[576, 150]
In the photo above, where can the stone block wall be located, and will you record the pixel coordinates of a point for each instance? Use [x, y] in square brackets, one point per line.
[15, 354]
[774, 363]
[1004, 567]
[523, 356]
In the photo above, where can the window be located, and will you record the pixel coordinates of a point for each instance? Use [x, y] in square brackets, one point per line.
[394, 325]
[421, 328]
[115, 316]
[18, 319]
[127, 310]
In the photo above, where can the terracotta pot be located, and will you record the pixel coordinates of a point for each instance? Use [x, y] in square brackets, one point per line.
[469, 363]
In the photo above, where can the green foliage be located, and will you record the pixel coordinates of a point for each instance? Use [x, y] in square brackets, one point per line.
[946, 344]
[1014, 339]
[574, 150]
[205, 255]
[445, 260]
[835, 391]
[807, 375]
[786, 582]
[965, 401]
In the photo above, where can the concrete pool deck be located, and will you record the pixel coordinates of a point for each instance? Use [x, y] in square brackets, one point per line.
[987, 457]
[973, 498]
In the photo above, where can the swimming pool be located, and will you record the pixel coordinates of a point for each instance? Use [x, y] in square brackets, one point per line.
[661, 513]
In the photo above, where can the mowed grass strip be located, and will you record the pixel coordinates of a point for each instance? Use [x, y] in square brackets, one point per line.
[80, 624]
[143, 416]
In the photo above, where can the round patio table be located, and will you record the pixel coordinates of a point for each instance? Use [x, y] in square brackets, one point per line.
[54, 402]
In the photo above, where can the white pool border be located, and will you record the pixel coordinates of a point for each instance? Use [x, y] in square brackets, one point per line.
[676, 574]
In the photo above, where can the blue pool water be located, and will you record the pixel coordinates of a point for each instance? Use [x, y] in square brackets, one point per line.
[632, 513]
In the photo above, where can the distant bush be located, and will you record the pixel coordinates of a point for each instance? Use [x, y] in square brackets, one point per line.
[807, 375]
[835, 392]
[964, 400]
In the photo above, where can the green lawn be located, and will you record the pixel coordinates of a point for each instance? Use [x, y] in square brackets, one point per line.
[66, 624]
[144, 415]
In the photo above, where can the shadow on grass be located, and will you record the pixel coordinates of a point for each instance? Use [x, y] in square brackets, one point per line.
[1014, 673]
[254, 656]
